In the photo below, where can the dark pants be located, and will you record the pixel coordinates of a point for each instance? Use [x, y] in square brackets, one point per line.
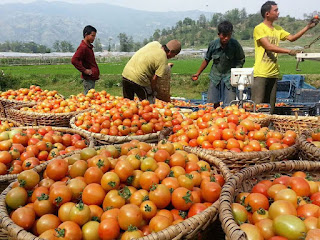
[221, 93]
[88, 84]
[264, 90]
[130, 88]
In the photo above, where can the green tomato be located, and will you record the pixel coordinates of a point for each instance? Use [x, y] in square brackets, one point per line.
[290, 227]
[239, 213]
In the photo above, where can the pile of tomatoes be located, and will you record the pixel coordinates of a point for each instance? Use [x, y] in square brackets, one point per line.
[125, 117]
[24, 149]
[34, 94]
[112, 192]
[315, 138]
[287, 207]
[230, 129]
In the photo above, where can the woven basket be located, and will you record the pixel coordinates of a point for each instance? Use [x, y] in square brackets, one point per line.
[6, 179]
[307, 150]
[188, 229]
[237, 161]
[244, 182]
[163, 86]
[41, 119]
[6, 104]
[103, 139]
[263, 121]
[295, 123]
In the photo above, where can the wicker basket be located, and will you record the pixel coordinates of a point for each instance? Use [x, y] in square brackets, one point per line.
[188, 229]
[163, 86]
[41, 119]
[307, 150]
[6, 104]
[244, 182]
[6, 179]
[263, 121]
[103, 139]
[237, 161]
[295, 123]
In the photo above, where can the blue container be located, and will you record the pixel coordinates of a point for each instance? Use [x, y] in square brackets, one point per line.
[296, 78]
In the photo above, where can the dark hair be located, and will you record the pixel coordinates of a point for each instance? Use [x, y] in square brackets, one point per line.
[225, 27]
[88, 30]
[266, 7]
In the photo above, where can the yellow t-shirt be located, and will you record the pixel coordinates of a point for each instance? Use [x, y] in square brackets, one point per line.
[148, 61]
[266, 62]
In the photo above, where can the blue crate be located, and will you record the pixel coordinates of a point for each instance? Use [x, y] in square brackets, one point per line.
[307, 96]
[286, 90]
[204, 96]
[296, 78]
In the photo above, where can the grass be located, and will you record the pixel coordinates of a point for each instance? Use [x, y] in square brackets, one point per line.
[66, 79]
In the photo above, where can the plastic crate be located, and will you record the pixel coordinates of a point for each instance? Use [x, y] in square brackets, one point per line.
[292, 110]
[296, 78]
[316, 110]
[286, 90]
[204, 96]
[307, 96]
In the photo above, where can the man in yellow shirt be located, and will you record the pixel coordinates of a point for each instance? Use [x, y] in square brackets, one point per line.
[266, 37]
[150, 62]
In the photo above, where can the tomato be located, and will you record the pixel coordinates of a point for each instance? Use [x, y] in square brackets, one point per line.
[16, 197]
[60, 195]
[259, 215]
[274, 189]
[311, 223]
[171, 182]
[287, 194]
[129, 214]
[42, 205]
[57, 169]
[289, 226]
[159, 223]
[148, 209]
[109, 229]
[132, 233]
[24, 217]
[281, 207]
[163, 170]
[109, 181]
[93, 175]
[90, 230]
[64, 210]
[148, 179]
[160, 195]
[313, 234]
[93, 194]
[28, 179]
[239, 213]
[182, 198]
[210, 191]
[251, 231]
[196, 208]
[37, 192]
[300, 186]
[69, 230]
[80, 214]
[46, 222]
[115, 199]
[87, 153]
[5, 157]
[78, 168]
[123, 169]
[265, 226]
[260, 188]
[110, 213]
[308, 210]
[49, 234]
[21, 138]
[257, 201]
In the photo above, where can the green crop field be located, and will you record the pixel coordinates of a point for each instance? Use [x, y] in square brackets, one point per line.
[66, 79]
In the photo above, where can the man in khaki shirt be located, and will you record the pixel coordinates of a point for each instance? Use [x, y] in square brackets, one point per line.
[149, 63]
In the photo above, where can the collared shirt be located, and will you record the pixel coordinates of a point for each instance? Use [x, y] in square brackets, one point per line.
[266, 62]
[232, 56]
[148, 61]
[84, 59]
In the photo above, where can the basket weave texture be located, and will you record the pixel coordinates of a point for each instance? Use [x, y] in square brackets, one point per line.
[237, 161]
[103, 139]
[295, 123]
[15, 124]
[163, 86]
[263, 121]
[41, 119]
[6, 104]
[244, 182]
[307, 150]
[187, 229]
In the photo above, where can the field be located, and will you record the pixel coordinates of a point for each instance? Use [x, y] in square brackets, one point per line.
[66, 79]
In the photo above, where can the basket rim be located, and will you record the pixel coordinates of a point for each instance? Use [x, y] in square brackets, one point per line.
[22, 102]
[306, 147]
[27, 113]
[9, 177]
[112, 138]
[230, 227]
[295, 118]
[189, 226]
[12, 121]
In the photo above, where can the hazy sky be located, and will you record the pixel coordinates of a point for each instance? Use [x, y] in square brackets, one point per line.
[287, 7]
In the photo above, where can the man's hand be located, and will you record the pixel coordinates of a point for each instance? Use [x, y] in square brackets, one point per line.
[313, 22]
[195, 77]
[88, 72]
[294, 52]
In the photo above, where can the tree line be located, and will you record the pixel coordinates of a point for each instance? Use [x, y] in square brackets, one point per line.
[191, 33]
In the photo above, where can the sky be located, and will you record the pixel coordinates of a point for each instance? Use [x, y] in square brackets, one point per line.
[293, 8]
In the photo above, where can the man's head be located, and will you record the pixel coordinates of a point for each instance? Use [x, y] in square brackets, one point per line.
[270, 11]
[225, 30]
[172, 48]
[89, 33]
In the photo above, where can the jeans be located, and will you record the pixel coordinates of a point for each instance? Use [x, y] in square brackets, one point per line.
[221, 93]
[264, 90]
[130, 88]
[88, 84]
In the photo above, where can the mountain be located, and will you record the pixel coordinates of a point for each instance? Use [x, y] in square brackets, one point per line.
[45, 22]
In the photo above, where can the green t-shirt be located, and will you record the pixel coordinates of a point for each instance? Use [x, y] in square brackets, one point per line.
[266, 62]
[148, 61]
[232, 56]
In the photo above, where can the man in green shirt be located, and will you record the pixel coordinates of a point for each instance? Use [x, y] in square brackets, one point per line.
[226, 53]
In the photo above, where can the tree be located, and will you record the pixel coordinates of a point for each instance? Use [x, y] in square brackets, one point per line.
[66, 46]
[126, 43]
[156, 35]
[97, 45]
[56, 46]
